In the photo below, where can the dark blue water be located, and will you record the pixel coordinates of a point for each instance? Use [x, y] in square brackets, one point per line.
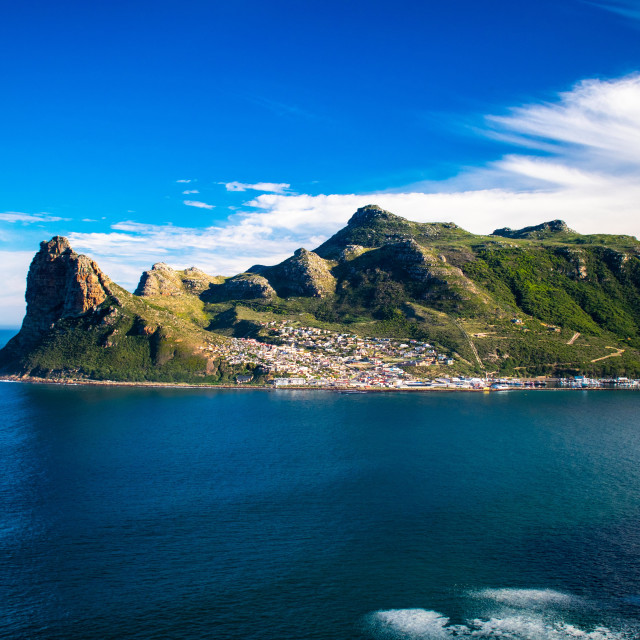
[6, 335]
[141, 513]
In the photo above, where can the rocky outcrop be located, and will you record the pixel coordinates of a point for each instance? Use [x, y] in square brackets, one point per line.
[616, 260]
[245, 286]
[577, 264]
[304, 274]
[537, 232]
[160, 280]
[350, 252]
[60, 284]
[196, 281]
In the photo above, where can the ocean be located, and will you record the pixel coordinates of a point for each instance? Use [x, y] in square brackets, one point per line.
[166, 513]
[6, 335]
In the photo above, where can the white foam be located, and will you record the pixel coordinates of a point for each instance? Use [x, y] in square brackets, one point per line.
[529, 598]
[421, 624]
[409, 623]
[527, 627]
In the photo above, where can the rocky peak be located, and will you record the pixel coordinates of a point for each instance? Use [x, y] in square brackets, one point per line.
[538, 231]
[194, 272]
[163, 280]
[305, 273]
[60, 284]
[370, 214]
[244, 286]
[196, 281]
[54, 247]
[160, 280]
[369, 227]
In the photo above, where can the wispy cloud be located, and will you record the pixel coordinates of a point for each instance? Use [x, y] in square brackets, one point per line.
[268, 187]
[286, 108]
[184, 181]
[626, 8]
[28, 218]
[198, 204]
[189, 191]
[596, 123]
[132, 247]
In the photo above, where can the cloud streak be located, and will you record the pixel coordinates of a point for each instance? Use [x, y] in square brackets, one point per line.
[198, 204]
[28, 218]
[625, 8]
[269, 187]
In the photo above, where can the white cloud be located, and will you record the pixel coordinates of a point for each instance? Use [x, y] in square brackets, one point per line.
[184, 181]
[199, 205]
[188, 191]
[270, 187]
[14, 266]
[133, 247]
[28, 218]
[601, 117]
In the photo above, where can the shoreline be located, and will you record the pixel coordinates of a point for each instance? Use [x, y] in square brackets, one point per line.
[343, 390]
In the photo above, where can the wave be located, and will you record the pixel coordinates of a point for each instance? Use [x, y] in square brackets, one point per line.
[422, 624]
[409, 623]
[512, 614]
[530, 598]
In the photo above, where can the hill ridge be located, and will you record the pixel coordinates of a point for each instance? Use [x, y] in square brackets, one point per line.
[508, 302]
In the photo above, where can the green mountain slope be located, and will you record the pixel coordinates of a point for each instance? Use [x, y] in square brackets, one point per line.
[511, 302]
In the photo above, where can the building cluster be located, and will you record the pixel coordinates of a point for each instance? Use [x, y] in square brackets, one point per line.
[296, 356]
[311, 356]
[583, 382]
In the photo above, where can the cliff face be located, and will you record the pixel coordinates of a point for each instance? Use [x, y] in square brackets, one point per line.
[60, 284]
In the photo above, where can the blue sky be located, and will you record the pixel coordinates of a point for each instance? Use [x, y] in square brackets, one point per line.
[224, 134]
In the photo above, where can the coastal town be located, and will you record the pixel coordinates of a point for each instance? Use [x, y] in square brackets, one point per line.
[310, 357]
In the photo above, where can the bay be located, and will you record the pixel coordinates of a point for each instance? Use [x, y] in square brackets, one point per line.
[168, 513]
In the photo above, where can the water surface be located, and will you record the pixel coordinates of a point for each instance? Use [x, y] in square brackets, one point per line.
[166, 513]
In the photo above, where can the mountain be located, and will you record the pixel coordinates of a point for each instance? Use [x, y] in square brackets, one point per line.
[80, 324]
[539, 300]
[553, 229]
